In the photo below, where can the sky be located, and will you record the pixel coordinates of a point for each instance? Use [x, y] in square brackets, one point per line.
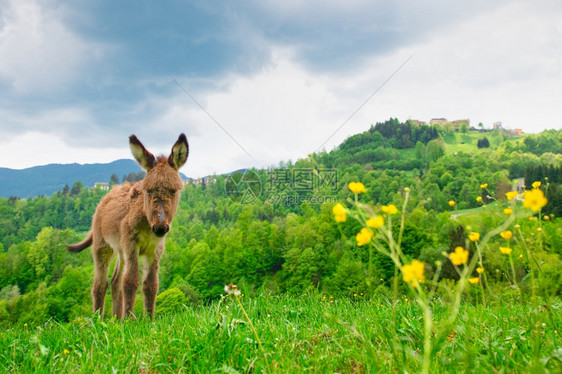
[253, 83]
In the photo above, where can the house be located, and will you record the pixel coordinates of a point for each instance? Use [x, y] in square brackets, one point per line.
[497, 126]
[459, 122]
[200, 181]
[416, 122]
[437, 121]
[518, 132]
[102, 186]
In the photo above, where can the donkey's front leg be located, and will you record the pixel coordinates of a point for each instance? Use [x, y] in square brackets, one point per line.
[150, 284]
[130, 281]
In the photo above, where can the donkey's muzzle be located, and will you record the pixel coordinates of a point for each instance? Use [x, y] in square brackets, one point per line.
[160, 229]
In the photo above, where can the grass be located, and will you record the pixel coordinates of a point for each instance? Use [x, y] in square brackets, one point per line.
[299, 334]
[467, 142]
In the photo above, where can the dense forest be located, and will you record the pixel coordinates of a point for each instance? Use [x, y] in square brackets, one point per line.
[285, 239]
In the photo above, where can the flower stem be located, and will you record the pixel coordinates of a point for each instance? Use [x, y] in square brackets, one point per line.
[428, 324]
[254, 330]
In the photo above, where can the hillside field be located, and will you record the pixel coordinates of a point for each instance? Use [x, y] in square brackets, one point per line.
[308, 333]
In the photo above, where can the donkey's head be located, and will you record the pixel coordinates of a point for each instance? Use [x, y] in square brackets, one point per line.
[162, 184]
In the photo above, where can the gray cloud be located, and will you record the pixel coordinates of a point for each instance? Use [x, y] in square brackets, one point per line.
[85, 71]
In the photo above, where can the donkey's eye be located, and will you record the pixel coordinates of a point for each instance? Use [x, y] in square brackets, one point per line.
[149, 193]
[172, 192]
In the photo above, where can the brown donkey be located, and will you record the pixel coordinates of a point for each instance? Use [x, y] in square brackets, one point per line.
[133, 220]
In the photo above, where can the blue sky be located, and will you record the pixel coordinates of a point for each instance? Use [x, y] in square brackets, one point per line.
[77, 78]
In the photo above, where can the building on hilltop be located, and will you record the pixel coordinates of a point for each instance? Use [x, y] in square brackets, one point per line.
[437, 121]
[460, 122]
[200, 181]
[416, 122]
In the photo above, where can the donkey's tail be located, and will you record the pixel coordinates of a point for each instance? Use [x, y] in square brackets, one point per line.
[78, 247]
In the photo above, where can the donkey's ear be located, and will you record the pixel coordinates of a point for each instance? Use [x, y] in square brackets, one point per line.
[180, 150]
[145, 159]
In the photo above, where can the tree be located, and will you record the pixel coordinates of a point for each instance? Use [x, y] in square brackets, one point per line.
[171, 300]
[114, 179]
[483, 143]
[69, 297]
[76, 188]
[435, 149]
[419, 151]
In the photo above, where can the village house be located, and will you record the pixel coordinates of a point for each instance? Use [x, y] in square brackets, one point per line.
[104, 186]
[437, 121]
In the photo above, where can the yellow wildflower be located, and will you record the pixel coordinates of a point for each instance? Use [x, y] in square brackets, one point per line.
[473, 280]
[413, 272]
[532, 218]
[484, 185]
[357, 187]
[407, 189]
[389, 209]
[339, 211]
[511, 195]
[536, 184]
[506, 234]
[505, 250]
[474, 236]
[534, 199]
[375, 222]
[517, 226]
[479, 270]
[459, 256]
[546, 217]
[479, 199]
[508, 211]
[451, 203]
[364, 236]
[65, 351]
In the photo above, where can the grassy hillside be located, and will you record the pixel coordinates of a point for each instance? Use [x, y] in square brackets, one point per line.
[298, 334]
[467, 142]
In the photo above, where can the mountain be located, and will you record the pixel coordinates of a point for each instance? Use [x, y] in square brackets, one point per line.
[47, 179]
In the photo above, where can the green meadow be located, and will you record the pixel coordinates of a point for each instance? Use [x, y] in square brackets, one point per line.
[308, 333]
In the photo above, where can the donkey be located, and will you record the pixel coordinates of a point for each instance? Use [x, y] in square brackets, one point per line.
[132, 220]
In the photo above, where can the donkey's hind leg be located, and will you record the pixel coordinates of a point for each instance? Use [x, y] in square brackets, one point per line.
[102, 258]
[116, 294]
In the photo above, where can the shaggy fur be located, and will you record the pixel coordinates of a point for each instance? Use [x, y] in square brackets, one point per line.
[132, 220]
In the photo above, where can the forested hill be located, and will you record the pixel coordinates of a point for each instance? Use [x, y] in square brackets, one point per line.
[273, 231]
[47, 179]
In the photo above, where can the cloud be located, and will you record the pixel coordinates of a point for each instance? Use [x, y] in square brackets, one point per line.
[34, 148]
[339, 36]
[39, 53]
[280, 77]
[279, 114]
